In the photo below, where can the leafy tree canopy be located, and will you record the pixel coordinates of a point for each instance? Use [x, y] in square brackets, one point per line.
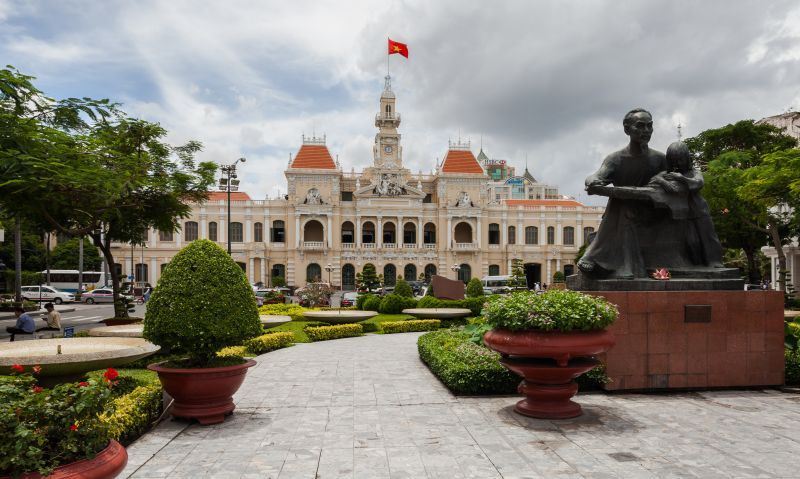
[66, 255]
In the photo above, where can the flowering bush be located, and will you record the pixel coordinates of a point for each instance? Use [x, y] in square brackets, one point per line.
[45, 428]
[553, 310]
[315, 294]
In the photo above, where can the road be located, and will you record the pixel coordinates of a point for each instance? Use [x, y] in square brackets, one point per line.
[84, 316]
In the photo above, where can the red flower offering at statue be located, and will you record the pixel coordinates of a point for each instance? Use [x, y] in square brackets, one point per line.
[661, 273]
[17, 368]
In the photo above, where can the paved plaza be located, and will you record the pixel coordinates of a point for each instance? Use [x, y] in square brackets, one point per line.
[369, 408]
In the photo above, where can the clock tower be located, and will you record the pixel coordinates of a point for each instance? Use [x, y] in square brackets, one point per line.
[387, 151]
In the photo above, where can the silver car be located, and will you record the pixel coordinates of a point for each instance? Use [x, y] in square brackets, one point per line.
[101, 295]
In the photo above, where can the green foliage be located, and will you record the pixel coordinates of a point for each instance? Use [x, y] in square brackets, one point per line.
[45, 428]
[594, 379]
[372, 324]
[412, 325]
[294, 310]
[297, 328]
[34, 253]
[518, 280]
[403, 289]
[361, 299]
[428, 302]
[269, 342]
[474, 288]
[476, 329]
[372, 303]
[391, 304]
[234, 352]
[66, 255]
[791, 335]
[558, 277]
[475, 305]
[278, 281]
[463, 366]
[324, 333]
[553, 310]
[369, 278]
[135, 404]
[581, 252]
[792, 363]
[202, 303]
[29, 278]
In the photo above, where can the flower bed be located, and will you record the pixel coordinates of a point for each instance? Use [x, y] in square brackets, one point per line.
[554, 310]
[136, 403]
[324, 333]
[412, 325]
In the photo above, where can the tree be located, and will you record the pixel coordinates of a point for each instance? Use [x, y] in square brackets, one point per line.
[65, 255]
[97, 173]
[369, 278]
[278, 281]
[731, 158]
[518, 280]
[402, 288]
[474, 288]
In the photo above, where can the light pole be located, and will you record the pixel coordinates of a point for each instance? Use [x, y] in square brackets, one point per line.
[455, 268]
[228, 183]
[329, 267]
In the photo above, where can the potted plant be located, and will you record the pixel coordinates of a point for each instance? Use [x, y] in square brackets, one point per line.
[56, 432]
[202, 303]
[549, 339]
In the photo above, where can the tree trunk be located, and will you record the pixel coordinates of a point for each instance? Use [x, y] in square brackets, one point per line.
[18, 260]
[775, 236]
[120, 309]
[753, 272]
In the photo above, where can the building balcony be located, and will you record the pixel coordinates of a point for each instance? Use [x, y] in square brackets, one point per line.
[368, 245]
[348, 246]
[410, 245]
[277, 245]
[313, 245]
[389, 245]
[465, 246]
[429, 245]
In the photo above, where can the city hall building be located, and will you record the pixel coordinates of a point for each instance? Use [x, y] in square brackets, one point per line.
[470, 218]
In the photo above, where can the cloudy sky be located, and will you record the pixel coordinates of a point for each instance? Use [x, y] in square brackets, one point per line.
[546, 80]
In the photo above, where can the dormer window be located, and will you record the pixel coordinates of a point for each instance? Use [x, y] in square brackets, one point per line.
[388, 110]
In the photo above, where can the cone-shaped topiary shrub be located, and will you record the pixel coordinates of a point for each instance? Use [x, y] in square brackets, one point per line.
[402, 288]
[474, 288]
[202, 303]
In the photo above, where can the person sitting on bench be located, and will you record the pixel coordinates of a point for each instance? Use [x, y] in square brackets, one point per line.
[24, 325]
[53, 319]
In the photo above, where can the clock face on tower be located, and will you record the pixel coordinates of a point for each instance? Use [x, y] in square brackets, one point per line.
[387, 149]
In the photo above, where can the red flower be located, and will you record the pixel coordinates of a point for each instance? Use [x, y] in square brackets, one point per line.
[18, 368]
[83, 384]
[74, 427]
[37, 389]
[37, 369]
[110, 374]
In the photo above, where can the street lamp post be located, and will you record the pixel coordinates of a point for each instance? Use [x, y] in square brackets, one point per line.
[329, 267]
[228, 183]
[455, 268]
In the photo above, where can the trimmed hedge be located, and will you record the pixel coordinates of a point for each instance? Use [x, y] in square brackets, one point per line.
[372, 303]
[473, 304]
[391, 304]
[295, 311]
[233, 352]
[324, 333]
[412, 325]
[463, 366]
[135, 404]
[269, 342]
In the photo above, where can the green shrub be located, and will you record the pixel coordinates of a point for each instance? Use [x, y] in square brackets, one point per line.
[463, 366]
[428, 302]
[233, 352]
[295, 311]
[391, 304]
[474, 288]
[475, 305]
[269, 342]
[409, 303]
[792, 371]
[368, 327]
[136, 403]
[594, 379]
[553, 310]
[403, 289]
[324, 333]
[412, 325]
[361, 299]
[558, 277]
[373, 303]
[202, 303]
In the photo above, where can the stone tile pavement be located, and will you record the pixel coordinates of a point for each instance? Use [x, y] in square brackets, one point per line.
[368, 408]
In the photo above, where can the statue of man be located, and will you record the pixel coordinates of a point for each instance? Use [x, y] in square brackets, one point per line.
[616, 250]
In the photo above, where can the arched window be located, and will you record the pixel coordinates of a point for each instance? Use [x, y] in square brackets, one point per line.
[388, 110]
[587, 233]
[410, 272]
[494, 233]
[348, 277]
[409, 233]
[258, 232]
[389, 275]
[312, 231]
[348, 234]
[368, 233]
[389, 233]
[313, 273]
[512, 235]
[463, 233]
[465, 273]
[531, 235]
[237, 232]
[212, 231]
[494, 270]
[569, 235]
[190, 231]
[165, 236]
[429, 233]
[551, 235]
[141, 273]
[278, 271]
[430, 270]
[278, 232]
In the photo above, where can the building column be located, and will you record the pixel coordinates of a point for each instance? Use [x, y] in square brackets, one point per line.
[559, 234]
[548, 279]
[250, 268]
[579, 232]
[399, 232]
[508, 267]
[558, 263]
[248, 231]
[203, 229]
[478, 238]
[504, 233]
[154, 272]
[267, 231]
[420, 232]
[358, 232]
[542, 232]
[330, 231]
[179, 237]
[449, 233]
[297, 231]
[379, 239]
[264, 278]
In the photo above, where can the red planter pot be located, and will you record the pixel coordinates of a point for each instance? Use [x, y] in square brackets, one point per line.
[107, 464]
[549, 362]
[204, 394]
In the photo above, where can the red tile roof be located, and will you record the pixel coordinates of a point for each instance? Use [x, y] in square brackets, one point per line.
[314, 156]
[542, 203]
[461, 161]
[221, 195]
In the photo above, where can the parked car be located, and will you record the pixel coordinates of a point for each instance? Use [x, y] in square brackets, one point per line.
[47, 293]
[102, 295]
[349, 299]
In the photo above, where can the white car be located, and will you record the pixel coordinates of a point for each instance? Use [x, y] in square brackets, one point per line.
[102, 295]
[47, 293]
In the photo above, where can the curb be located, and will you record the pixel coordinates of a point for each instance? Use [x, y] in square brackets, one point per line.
[34, 313]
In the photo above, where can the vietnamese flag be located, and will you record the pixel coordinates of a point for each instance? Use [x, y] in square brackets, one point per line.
[397, 47]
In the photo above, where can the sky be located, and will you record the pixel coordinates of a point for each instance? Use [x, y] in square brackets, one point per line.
[542, 82]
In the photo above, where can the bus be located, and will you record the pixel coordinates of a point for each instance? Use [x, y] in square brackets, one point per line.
[496, 284]
[67, 279]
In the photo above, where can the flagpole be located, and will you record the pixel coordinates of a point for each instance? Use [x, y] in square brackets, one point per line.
[387, 58]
